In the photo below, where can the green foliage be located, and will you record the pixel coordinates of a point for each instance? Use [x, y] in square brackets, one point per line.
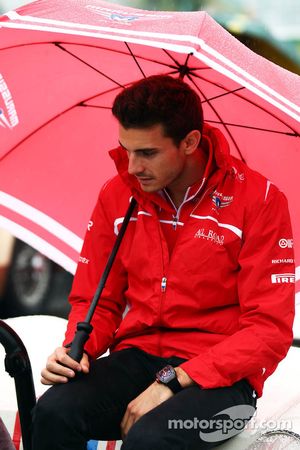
[165, 5]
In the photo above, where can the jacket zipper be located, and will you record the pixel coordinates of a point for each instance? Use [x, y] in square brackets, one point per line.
[163, 284]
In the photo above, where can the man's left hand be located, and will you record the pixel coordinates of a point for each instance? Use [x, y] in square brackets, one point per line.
[153, 396]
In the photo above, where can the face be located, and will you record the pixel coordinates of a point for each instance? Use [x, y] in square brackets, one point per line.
[153, 158]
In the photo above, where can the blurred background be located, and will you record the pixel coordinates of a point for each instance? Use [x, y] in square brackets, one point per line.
[32, 284]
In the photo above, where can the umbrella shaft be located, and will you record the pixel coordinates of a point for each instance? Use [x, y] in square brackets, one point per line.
[110, 261]
[84, 329]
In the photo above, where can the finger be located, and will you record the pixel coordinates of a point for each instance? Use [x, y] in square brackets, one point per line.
[61, 356]
[85, 363]
[128, 425]
[128, 420]
[49, 378]
[58, 368]
[124, 425]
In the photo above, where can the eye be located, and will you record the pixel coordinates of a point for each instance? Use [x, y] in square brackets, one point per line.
[147, 153]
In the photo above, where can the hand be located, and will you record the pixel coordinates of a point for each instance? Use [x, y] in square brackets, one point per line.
[60, 367]
[153, 396]
[184, 379]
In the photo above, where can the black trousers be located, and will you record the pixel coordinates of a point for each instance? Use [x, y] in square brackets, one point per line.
[92, 407]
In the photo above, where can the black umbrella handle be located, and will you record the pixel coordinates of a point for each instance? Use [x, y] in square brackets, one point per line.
[82, 334]
[84, 329]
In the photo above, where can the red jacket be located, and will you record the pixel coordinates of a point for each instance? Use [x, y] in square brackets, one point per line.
[223, 298]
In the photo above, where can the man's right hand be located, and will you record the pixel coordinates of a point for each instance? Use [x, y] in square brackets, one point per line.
[60, 367]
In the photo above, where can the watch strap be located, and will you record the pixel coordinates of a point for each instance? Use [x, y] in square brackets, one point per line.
[174, 385]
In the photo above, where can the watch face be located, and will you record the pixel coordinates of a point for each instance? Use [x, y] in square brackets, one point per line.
[166, 374]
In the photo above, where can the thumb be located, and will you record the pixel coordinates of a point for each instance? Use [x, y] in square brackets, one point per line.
[85, 363]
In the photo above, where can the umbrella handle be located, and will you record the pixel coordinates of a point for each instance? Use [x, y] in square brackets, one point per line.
[82, 334]
[84, 329]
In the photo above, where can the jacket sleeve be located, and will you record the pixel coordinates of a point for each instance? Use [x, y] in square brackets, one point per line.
[97, 246]
[267, 299]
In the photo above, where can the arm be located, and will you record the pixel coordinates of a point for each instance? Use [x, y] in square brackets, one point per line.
[267, 306]
[96, 249]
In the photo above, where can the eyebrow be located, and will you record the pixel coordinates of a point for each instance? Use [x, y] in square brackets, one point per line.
[139, 149]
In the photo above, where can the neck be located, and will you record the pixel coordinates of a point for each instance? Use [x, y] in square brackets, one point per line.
[193, 172]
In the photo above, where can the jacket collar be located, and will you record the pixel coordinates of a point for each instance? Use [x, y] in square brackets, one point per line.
[213, 142]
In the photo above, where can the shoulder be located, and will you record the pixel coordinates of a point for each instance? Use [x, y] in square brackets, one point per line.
[113, 186]
[114, 196]
[259, 200]
[256, 187]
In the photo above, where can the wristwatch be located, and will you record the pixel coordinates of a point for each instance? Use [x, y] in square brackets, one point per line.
[168, 376]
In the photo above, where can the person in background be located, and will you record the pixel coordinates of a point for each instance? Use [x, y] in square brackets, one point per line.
[197, 311]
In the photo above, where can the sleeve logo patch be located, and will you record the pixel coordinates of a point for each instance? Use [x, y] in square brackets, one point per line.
[286, 243]
[281, 278]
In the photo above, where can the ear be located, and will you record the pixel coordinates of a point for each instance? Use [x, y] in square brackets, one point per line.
[191, 141]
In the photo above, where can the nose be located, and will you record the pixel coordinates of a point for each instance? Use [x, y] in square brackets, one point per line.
[134, 165]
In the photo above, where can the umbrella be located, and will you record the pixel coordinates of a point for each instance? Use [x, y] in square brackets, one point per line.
[61, 65]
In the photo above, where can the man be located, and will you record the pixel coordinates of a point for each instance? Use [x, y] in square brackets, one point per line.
[192, 312]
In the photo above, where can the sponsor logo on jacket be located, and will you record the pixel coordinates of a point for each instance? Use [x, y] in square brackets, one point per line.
[220, 200]
[286, 243]
[209, 235]
[239, 176]
[283, 261]
[281, 278]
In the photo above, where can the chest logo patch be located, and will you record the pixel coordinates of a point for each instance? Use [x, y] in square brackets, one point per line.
[209, 235]
[220, 200]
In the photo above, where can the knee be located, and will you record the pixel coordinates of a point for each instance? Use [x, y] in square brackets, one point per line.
[55, 418]
[52, 409]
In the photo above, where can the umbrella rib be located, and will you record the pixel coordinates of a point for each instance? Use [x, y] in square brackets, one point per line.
[60, 46]
[172, 57]
[226, 93]
[57, 44]
[135, 60]
[32, 133]
[182, 69]
[122, 52]
[103, 48]
[83, 102]
[54, 118]
[295, 134]
[191, 72]
[218, 115]
[93, 106]
[134, 56]
[237, 94]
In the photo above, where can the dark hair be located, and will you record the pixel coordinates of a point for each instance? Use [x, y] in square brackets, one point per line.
[160, 99]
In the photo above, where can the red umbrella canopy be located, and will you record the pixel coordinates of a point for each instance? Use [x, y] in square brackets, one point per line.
[61, 65]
